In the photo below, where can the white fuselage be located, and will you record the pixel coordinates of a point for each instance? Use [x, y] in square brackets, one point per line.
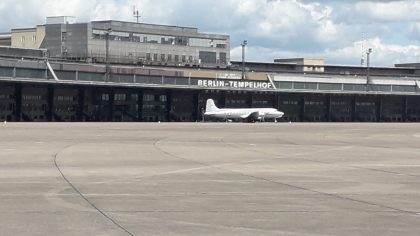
[241, 113]
[260, 113]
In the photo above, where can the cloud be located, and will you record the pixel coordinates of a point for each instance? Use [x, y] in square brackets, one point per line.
[274, 28]
[383, 54]
[368, 12]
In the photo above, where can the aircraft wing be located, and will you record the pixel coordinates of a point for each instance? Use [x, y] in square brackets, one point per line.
[251, 115]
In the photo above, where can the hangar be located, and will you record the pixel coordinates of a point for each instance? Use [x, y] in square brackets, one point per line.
[124, 71]
[87, 92]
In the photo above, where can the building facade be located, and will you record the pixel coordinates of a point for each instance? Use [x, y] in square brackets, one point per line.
[126, 43]
[83, 92]
[28, 38]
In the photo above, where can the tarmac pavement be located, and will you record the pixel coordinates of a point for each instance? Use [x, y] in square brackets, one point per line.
[209, 179]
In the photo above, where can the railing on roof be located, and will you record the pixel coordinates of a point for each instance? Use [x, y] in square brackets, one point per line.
[42, 75]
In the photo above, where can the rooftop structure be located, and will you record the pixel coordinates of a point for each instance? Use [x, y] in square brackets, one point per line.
[409, 65]
[5, 39]
[301, 61]
[60, 20]
[307, 64]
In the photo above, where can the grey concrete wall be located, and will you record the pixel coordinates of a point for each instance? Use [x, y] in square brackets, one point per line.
[53, 40]
[68, 40]
[5, 42]
[144, 28]
[76, 43]
[19, 52]
[135, 50]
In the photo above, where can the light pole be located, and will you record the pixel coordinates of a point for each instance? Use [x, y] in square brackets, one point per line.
[243, 45]
[369, 51]
[107, 67]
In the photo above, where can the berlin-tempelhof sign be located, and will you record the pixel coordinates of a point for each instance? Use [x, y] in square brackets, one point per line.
[235, 84]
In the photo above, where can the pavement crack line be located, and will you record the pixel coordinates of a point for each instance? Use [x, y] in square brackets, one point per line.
[109, 218]
[336, 196]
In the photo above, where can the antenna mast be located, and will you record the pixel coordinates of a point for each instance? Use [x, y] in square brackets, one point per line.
[136, 14]
[362, 60]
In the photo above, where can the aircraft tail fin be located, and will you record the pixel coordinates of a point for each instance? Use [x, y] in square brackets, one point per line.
[210, 106]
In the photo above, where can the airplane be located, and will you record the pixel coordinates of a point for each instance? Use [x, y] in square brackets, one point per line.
[230, 114]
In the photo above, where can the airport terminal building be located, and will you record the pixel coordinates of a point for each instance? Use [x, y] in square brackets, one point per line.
[123, 71]
[125, 42]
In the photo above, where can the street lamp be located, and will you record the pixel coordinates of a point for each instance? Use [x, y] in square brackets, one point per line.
[369, 51]
[107, 67]
[243, 45]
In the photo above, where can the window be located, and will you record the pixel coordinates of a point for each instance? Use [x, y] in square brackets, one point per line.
[176, 58]
[148, 97]
[65, 98]
[169, 57]
[31, 97]
[134, 97]
[33, 38]
[162, 57]
[120, 97]
[223, 58]
[207, 57]
[155, 57]
[160, 39]
[22, 39]
[105, 97]
[162, 98]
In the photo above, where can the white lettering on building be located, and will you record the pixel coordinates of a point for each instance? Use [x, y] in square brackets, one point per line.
[234, 84]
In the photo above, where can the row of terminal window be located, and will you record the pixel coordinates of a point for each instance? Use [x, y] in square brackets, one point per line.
[154, 98]
[65, 108]
[32, 97]
[154, 107]
[315, 103]
[263, 102]
[134, 97]
[364, 104]
[159, 39]
[65, 98]
[235, 102]
[204, 57]
[117, 97]
[6, 96]
[23, 38]
[7, 107]
[290, 102]
[34, 107]
[168, 58]
[340, 103]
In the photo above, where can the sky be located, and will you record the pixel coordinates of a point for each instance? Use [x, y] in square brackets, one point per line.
[331, 29]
